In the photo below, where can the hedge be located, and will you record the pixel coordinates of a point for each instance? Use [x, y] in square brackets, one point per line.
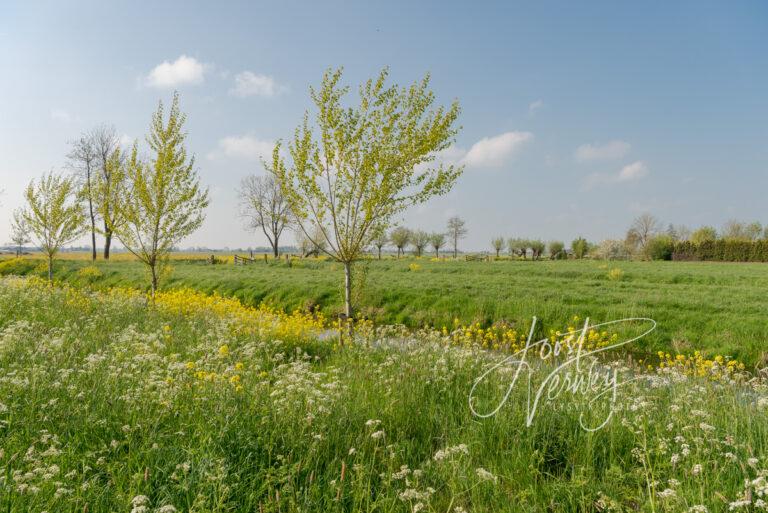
[722, 251]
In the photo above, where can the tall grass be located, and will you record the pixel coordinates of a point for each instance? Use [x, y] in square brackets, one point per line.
[110, 403]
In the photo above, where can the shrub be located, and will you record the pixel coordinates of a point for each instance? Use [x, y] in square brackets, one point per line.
[660, 247]
[615, 274]
[722, 250]
[612, 250]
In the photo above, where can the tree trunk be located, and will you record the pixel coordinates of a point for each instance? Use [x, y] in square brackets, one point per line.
[497, 253]
[348, 290]
[107, 241]
[274, 250]
[50, 270]
[379, 253]
[455, 249]
[154, 280]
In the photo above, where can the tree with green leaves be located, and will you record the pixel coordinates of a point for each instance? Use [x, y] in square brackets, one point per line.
[19, 231]
[359, 167]
[557, 250]
[704, 234]
[400, 237]
[518, 247]
[437, 241]
[163, 201]
[497, 244]
[53, 214]
[420, 241]
[537, 248]
[580, 247]
[457, 230]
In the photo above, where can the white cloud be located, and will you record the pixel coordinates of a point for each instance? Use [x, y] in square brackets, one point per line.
[609, 151]
[495, 151]
[61, 115]
[534, 106]
[248, 83]
[633, 171]
[245, 147]
[183, 71]
[628, 173]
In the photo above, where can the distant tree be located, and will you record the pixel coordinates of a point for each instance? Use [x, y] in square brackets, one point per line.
[661, 247]
[612, 250]
[557, 250]
[264, 206]
[678, 232]
[703, 234]
[640, 232]
[311, 243]
[106, 145]
[580, 247]
[737, 230]
[53, 214]
[19, 231]
[400, 237]
[765, 233]
[457, 229]
[497, 244]
[361, 166]
[380, 240]
[162, 199]
[518, 247]
[83, 161]
[537, 248]
[420, 240]
[437, 241]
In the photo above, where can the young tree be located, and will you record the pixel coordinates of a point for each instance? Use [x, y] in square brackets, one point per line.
[163, 201]
[380, 240]
[400, 237]
[580, 247]
[53, 214]
[82, 159]
[497, 244]
[420, 240]
[437, 241]
[457, 229]
[366, 164]
[19, 231]
[264, 206]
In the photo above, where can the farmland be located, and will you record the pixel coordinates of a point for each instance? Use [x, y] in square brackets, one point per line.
[717, 308]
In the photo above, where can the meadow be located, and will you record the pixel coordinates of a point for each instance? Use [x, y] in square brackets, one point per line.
[193, 402]
[716, 308]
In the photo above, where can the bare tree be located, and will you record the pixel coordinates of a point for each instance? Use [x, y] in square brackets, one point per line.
[457, 229]
[311, 243]
[264, 206]
[83, 161]
[497, 244]
[19, 231]
[106, 145]
[437, 241]
[643, 228]
[400, 237]
[420, 240]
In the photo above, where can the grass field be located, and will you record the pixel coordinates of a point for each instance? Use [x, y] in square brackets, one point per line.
[717, 308]
[197, 404]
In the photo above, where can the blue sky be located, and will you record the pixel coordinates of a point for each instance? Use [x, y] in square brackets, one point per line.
[576, 116]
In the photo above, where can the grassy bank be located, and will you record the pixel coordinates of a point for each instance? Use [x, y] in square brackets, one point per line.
[109, 404]
[714, 307]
